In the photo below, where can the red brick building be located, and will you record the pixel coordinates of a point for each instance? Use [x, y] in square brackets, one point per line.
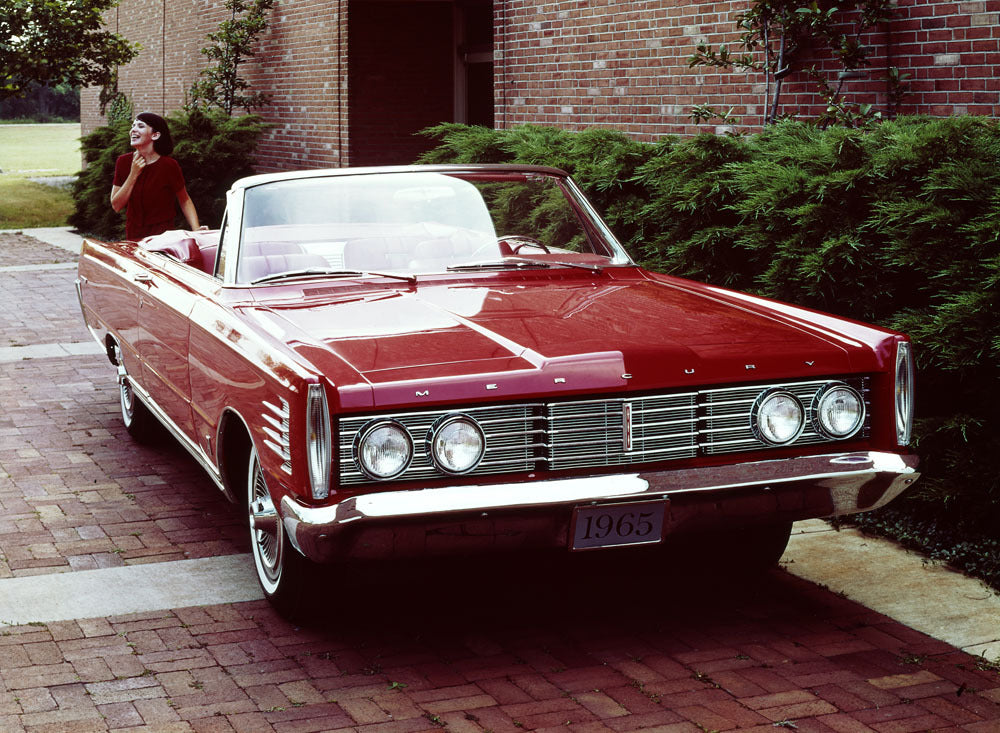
[351, 81]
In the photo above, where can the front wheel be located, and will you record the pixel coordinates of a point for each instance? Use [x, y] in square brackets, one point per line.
[281, 569]
[733, 553]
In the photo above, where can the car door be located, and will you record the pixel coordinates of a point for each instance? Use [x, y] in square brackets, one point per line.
[166, 300]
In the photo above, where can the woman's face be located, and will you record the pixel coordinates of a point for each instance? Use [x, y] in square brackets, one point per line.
[142, 134]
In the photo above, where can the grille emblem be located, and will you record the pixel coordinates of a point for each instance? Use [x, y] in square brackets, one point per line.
[627, 427]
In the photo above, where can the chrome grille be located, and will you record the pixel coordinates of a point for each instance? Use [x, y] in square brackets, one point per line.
[613, 432]
[600, 432]
[725, 424]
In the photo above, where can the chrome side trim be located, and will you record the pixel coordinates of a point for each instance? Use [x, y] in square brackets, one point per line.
[279, 438]
[190, 446]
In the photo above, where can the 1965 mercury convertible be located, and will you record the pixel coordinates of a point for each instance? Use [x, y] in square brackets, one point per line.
[396, 362]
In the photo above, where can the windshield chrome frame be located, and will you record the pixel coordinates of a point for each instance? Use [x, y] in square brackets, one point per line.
[233, 219]
[236, 201]
[621, 256]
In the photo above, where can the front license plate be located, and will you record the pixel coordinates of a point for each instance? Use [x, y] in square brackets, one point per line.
[608, 525]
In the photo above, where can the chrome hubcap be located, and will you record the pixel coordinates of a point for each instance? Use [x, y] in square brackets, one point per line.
[127, 399]
[265, 527]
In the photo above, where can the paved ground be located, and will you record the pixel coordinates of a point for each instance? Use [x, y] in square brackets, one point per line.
[88, 517]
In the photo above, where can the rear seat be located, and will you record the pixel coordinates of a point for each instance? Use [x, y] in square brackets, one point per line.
[378, 253]
[196, 249]
[459, 247]
[280, 247]
[256, 266]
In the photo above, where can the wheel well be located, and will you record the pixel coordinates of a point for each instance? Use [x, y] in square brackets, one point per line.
[110, 347]
[234, 454]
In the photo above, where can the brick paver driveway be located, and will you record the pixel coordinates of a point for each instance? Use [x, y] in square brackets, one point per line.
[467, 646]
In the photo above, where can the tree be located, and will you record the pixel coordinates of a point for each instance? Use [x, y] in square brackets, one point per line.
[54, 42]
[789, 32]
[221, 85]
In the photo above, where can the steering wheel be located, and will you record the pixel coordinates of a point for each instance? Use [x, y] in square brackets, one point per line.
[520, 240]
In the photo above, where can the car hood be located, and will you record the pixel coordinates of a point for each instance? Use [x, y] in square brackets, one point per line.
[441, 343]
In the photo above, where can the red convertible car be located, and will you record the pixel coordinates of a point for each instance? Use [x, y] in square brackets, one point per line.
[396, 362]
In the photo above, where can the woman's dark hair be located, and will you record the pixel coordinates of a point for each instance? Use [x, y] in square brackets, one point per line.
[164, 144]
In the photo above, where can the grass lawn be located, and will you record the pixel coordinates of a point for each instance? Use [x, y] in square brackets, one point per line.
[36, 151]
[25, 204]
[40, 150]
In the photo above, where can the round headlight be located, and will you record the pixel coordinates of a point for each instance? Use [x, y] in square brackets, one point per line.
[839, 411]
[778, 417]
[383, 449]
[456, 444]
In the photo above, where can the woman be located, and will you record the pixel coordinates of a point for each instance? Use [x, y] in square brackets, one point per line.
[148, 180]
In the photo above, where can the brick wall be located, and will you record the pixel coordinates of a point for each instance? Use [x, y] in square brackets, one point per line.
[625, 64]
[573, 63]
[301, 63]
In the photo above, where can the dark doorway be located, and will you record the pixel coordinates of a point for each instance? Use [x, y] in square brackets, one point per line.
[475, 56]
[413, 64]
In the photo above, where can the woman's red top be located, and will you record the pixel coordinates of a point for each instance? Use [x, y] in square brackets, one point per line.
[151, 207]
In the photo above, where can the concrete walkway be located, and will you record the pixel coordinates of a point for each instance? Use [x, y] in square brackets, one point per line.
[903, 585]
[63, 237]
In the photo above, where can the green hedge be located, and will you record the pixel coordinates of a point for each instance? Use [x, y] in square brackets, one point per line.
[212, 148]
[897, 224]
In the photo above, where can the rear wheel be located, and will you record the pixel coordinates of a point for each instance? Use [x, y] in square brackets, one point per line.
[281, 570]
[139, 421]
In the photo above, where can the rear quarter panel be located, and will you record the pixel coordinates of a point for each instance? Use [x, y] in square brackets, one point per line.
[108, 295]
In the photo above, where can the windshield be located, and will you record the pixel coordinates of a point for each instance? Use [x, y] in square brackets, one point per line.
[410, 223]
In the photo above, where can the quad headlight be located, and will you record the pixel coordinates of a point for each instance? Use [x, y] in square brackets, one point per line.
[456, 444]
[838, 411]
[383, 449]
[778, 417]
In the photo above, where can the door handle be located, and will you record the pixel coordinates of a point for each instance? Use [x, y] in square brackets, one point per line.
[142, 277]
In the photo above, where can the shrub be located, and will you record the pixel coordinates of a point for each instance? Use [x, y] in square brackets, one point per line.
[212, 148]
[896, 224]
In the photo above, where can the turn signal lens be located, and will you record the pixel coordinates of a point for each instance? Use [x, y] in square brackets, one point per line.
[839, 411]
[778, 417]
[905, 377]
[318, 444]
[383, 449]
[457, 444]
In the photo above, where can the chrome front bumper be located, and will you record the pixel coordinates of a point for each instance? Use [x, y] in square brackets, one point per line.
[537, 513]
